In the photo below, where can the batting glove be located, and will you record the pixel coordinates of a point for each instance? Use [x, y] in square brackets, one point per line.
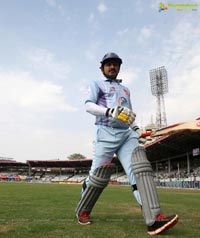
[142, 140]
[123, 114]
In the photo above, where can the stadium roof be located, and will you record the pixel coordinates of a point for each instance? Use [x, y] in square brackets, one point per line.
[171, 142]
[83, 163]
[164, 147]
[193, 126]
[172, 146]
[11, 163]
[174, 141]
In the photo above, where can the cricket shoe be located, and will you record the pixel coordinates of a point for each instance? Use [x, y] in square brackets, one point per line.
[162, 223]
[84, 218]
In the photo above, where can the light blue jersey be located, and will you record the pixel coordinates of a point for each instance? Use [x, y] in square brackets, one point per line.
[109, 94]
[112, 136]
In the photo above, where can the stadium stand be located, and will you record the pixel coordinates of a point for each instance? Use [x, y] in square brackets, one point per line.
[174, 153]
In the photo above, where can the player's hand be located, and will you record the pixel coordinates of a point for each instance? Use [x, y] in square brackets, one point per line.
[123, 114]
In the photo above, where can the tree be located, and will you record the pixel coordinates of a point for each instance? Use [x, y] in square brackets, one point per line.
[76, 156]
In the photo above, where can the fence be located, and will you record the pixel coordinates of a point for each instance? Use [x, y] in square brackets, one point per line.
[179, 184]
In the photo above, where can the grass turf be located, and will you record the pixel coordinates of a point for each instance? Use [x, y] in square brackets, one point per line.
[34, 210]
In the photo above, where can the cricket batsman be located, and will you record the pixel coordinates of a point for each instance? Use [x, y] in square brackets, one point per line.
[117, 133]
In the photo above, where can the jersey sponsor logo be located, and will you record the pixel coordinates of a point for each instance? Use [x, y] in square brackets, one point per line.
[112, 89]
[126, 92]
[123, 102]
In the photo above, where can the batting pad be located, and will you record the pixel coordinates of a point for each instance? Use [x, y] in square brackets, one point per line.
[97, 182]
[145, 183]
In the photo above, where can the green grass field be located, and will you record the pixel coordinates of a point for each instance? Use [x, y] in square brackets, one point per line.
[33, 210]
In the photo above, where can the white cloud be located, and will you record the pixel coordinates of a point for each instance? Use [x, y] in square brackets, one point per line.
[128, 75]
[123, 32]
[141, 35]
[145, 33]
[180, 54]
[37, 119]
[56, 5]
[43, 59]
[23, 91]
[28, 108]
[102, 8]
[180, 42]
[184, 100]
[154, 4]
[51, 3]
[91, 17]
[91, 52]
[44, 144]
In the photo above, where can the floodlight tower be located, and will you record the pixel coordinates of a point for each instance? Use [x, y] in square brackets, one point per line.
[159, 87]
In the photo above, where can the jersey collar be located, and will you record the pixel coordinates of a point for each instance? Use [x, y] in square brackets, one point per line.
[116, 80]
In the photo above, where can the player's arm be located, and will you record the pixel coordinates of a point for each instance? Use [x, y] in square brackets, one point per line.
[91, 99]
[120, 113]
[95, 109]
[135, 127]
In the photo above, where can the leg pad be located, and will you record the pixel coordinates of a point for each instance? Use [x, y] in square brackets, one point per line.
[145, 183]
[97, 182]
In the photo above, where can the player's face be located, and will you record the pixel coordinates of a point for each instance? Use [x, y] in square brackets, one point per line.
[111, 69]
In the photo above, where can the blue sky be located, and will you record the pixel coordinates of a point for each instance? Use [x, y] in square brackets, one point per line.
[51, 49]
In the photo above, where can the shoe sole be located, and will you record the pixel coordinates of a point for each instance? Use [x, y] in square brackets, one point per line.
[85, 223]
[164, 227]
